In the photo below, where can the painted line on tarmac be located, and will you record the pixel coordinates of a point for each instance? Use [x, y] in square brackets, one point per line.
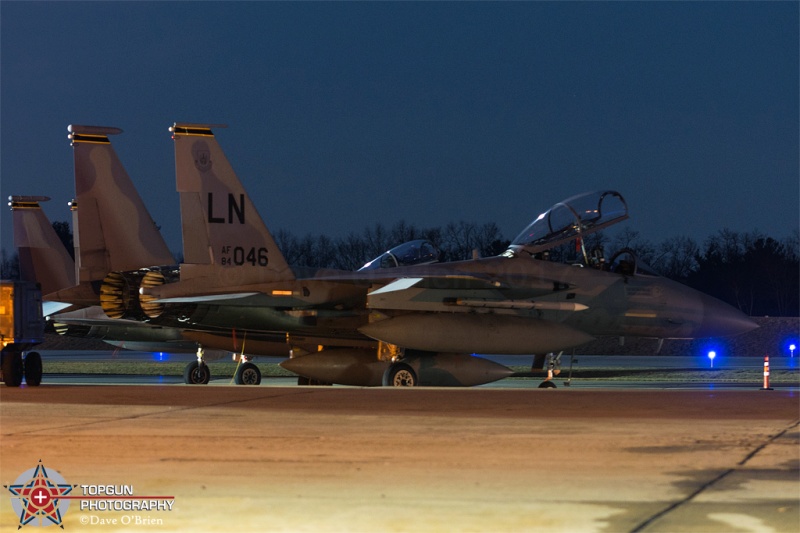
[714, 481]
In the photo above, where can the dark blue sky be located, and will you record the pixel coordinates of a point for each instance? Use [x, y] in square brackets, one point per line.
[344, 114]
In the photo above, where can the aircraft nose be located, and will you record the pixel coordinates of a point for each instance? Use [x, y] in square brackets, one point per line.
[722, 320]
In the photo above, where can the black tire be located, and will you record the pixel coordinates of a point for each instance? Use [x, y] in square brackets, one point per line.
[196, 374]
[399, 375]
[303, 381]
[12, 368]
[248, 374]
[547, 385]
[33, 369]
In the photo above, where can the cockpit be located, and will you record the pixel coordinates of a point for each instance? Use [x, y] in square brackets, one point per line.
[571, 219]
[419, 252]
[574, 219]
[627, 264]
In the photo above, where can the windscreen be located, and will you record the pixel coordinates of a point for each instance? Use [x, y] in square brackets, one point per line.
[419, 252]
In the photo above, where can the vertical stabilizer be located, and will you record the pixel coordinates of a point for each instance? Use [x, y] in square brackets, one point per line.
[222, 231]
[116, 230]
[42, 256]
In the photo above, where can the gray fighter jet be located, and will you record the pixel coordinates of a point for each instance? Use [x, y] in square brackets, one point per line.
[116, 242]
[397, 323]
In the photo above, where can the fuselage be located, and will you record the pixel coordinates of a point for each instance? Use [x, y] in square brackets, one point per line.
[513, 297]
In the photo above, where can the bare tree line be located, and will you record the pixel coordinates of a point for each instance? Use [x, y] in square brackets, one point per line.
[455, 241]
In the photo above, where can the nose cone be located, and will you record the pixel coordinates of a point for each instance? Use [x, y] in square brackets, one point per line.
[722, 320]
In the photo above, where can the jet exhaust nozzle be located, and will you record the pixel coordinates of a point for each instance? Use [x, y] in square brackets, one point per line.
[119, 295]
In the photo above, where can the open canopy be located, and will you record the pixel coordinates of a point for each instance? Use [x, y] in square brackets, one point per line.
[575, 217]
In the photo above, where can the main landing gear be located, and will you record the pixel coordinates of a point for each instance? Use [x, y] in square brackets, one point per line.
[399, 374]
[197, 372]
[247, 374]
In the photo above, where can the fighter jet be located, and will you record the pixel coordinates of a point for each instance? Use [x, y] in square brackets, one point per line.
[418, 317]
[117, 244]
[115, 229]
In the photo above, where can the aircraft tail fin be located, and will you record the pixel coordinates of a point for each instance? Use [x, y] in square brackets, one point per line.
[116, 232]
[222, 231]
[42, 256]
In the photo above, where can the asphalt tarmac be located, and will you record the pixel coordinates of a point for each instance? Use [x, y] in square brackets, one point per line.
[347, 459]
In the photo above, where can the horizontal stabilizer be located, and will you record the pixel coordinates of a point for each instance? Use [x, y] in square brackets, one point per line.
[399, 285]
[51, 308]
[452, 282]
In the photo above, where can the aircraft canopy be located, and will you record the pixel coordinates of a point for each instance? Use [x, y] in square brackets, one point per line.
[418, 252]
[575, 217]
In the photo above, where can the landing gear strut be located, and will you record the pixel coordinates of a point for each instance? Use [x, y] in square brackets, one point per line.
[552, 363]
[197, 372]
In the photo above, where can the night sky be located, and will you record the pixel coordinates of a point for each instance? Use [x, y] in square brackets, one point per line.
[341, 115]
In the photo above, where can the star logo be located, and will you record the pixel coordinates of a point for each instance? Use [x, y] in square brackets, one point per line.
[38, 493]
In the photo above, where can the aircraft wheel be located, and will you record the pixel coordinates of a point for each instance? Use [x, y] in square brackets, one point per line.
[196, 374]
[547, 385]
[12, 368]
[302, 380]
[399, 375]
[33, 369]
[248, 374]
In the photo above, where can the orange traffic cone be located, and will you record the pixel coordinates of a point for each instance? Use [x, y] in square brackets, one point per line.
[766, 374]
